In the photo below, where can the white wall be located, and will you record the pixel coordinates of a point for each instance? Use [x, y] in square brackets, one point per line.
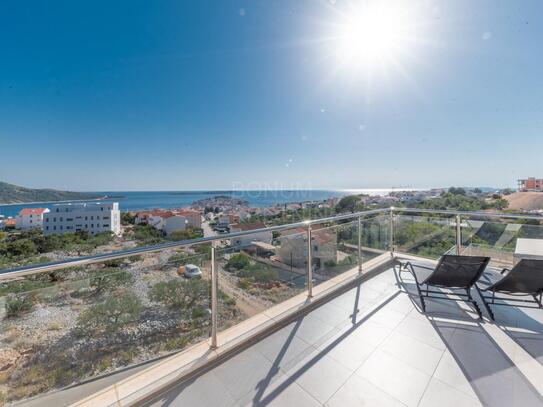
[90, 217]
[174, 223]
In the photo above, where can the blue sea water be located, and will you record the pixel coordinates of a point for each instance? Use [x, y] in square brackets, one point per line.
[131, 200]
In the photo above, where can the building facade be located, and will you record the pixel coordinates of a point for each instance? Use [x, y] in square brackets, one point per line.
[30, 218]
[530, 185]
[247, 240]
[92, 217]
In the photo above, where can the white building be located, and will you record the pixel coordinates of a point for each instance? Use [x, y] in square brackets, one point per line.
[247, 240]
[92, 217]
[30, 218]
[174, 223]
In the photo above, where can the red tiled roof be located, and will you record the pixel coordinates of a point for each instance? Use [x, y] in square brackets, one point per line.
[32, 211]
[248, 226]
[9, 222]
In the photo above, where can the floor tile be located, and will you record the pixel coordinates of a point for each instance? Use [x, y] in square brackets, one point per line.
[443, 395]
[321, 377]
[413, 352]
[357, 391]
[401, 381]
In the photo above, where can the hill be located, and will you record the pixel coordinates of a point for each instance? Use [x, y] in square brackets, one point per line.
[525, 200]
[10, 194]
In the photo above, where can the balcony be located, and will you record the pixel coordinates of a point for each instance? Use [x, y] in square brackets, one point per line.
[267, 329]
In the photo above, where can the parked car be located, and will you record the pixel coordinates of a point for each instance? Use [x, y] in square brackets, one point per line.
[190, 271]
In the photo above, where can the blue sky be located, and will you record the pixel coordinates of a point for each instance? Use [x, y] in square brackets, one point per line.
[178, 95]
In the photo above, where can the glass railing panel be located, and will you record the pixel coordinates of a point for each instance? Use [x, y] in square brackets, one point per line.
[68, 326]
[424, 236]
[334, 250]
[375, 236]
[499, 239]
[257, 272]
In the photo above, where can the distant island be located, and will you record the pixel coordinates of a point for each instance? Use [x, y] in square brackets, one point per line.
[14, 194]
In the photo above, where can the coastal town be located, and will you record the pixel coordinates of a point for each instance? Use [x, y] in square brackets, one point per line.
[163, 297]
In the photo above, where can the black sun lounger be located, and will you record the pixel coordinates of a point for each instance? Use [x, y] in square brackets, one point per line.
[452, 272]
[523, 280]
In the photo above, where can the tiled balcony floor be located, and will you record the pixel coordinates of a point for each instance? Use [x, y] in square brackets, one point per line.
[389, 355]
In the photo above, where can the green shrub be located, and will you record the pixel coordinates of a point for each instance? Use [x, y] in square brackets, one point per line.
[198, 312]
[237, 262]
[180, 293]
[259, 273]
[108, 278]
[175, 343]
[111, 315]
[17, 304]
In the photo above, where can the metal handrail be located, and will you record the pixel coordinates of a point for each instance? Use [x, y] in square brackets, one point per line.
[120, 254]
[98, 258]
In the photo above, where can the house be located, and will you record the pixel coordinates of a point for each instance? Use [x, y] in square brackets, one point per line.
[8, 223]
[293, 247]
[30, 218]
[173, 223]
[193, 217]
[247, 240]
[94, 217]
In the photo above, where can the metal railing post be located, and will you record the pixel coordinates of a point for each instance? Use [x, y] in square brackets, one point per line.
[214, 304]
[458, 235]
[360, 244]
[309, 263]
[391, 237]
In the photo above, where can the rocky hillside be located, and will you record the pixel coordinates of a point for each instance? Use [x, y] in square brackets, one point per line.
[10, 193]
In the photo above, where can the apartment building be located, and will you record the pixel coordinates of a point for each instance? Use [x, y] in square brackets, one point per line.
[530, 184]
[30, 218]
[92, 217]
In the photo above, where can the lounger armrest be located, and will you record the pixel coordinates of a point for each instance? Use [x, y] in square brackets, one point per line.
[504, 270]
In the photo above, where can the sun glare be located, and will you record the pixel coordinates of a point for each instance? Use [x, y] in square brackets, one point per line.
[374, 34]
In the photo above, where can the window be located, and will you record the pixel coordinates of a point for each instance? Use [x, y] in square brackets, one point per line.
[92, 217]
[105, 217]
[61, 218]
[46, 219]
[54, 219]
[69, 219]
[60, 227]
[57, 209]
[47, 228]
[54, 228]
[106, 225]
[98, 217]
[86, 218]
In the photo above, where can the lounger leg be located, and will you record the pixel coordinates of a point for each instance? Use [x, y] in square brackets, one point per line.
[538, 300]
[422, 303]
[487, 306]
[475, 305]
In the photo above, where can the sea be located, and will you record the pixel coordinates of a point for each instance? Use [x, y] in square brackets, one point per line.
[132, 200]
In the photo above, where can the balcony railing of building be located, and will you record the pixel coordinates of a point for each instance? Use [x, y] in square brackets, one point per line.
[72, 320]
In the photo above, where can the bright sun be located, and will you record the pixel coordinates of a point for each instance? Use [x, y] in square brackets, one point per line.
[373, 34]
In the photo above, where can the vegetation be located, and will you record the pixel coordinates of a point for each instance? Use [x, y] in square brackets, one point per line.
[17, 304]
[127, 218]
[457, 198]
[24, 246]
[350, 203]
[111, 315]
[259, 273]
[10, 193]
[187, 234]
[147, 235]
[108, 278]
[180, 294]
[237, 261]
